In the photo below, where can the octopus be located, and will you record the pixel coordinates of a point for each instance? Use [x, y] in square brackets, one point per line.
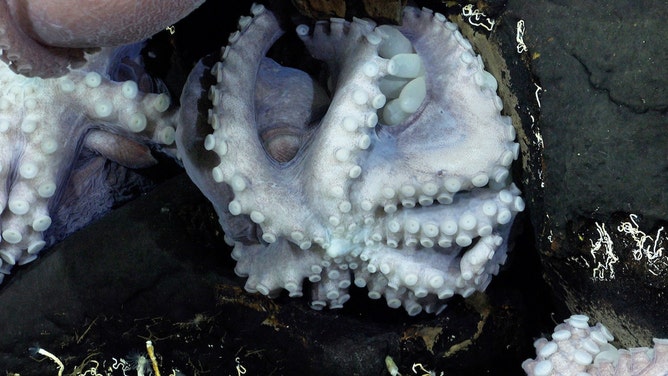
[64, 113]
[390, 171]
[51, 130]
[578, 348]
[46, 38]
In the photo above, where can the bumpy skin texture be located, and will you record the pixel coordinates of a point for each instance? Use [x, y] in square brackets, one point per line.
[578, 349]
[44, 126]
[41, 38]
[416, 212]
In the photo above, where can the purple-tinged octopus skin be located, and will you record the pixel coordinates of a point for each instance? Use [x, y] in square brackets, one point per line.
[45, 124]
[393, 175]
[43, 38]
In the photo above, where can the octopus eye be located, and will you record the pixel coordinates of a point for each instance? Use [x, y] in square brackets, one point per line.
[282, 141]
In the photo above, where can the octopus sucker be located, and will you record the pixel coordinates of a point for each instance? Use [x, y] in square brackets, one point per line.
[392, 173]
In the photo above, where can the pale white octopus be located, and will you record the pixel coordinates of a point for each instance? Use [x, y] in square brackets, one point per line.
[402, 186]
[45, 124]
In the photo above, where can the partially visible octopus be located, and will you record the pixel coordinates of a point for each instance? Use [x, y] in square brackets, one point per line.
[575, 348]
[392, 173]
[45, 38]
[46, 125]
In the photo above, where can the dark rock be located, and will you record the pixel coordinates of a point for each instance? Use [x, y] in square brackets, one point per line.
[603, 122]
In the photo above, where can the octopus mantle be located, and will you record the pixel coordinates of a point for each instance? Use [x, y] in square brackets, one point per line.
[393, 175]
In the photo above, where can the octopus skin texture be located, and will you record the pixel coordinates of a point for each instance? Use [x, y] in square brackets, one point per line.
[391, 174]
[579, 349]
[55, 135]
[43, 38]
